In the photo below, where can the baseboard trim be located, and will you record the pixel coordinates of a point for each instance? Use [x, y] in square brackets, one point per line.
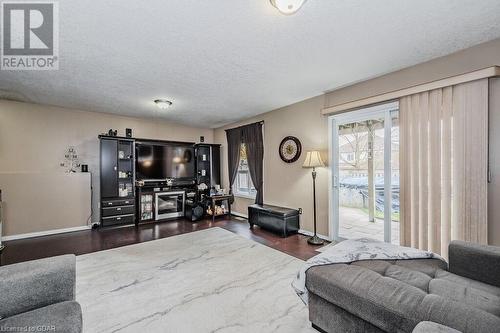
[45, 233]
[301, 231]
[245, 216]
[309, 233]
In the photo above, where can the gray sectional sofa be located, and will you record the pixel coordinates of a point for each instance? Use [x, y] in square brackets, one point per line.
[395, 296]
[39, 296]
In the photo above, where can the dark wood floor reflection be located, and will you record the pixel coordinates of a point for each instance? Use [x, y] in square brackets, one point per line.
[88, 241]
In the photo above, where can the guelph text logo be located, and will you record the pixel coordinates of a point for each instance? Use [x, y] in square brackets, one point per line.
[30, 35]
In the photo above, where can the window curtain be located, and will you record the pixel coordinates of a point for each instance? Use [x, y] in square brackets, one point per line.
[253, 140]
[443, 166]
[233, 153]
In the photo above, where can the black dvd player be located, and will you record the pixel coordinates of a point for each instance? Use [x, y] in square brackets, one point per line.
[166, 182]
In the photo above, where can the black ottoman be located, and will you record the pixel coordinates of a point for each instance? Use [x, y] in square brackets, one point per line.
[284, 221]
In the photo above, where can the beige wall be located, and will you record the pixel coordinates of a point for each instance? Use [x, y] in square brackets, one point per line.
[35, 202]
[33, 138]
[286, 184]
[477, 57]
[290, 185]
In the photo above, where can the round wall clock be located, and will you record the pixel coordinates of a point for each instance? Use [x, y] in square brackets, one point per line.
[290, 149]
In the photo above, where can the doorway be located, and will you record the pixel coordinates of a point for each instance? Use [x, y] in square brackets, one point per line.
[364, 179]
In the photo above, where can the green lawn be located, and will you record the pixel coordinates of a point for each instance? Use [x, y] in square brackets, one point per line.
[380, 215]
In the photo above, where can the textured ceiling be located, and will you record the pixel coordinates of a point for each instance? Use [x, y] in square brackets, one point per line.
[224, 60]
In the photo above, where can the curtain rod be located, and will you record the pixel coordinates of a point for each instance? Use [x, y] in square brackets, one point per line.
[396, 94]
[257, 122]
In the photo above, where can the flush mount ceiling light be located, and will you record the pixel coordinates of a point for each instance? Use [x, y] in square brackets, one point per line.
[163, 103]
[288, 7]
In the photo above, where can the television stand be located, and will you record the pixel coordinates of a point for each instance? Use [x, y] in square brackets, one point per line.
[157, 201]
[169, 204]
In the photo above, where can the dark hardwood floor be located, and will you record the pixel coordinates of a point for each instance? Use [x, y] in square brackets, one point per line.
[88, 241]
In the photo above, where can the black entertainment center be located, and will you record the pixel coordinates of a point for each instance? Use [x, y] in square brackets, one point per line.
[145, 180]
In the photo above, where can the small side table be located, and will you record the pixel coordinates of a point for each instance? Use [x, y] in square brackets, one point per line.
[213, 199]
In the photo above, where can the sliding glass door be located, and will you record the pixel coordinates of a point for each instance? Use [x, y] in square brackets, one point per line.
[364, 182]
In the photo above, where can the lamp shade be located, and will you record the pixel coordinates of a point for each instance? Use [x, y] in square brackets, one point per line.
[313, 160]
[288, 7]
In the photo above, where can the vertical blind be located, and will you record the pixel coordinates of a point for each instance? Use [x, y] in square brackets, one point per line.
[444, 165]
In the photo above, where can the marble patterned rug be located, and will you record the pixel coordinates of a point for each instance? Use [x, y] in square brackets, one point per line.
[206, 281]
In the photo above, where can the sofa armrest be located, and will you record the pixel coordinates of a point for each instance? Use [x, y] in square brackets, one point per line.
[35, 284]
[475, 261]
[431, 327]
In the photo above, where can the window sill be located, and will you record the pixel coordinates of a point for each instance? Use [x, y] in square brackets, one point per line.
[244, 195]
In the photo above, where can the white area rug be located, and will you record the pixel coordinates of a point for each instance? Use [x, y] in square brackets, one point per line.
[206, 281]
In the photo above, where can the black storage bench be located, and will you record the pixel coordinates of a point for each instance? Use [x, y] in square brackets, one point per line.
[284, 221]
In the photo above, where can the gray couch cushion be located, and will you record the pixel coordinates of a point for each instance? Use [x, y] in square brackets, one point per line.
[409, 276]
[64, 317]
[467, 282]
[33, 284]
[465, 294]
[397, 295]
[331, 318]
[426, 266]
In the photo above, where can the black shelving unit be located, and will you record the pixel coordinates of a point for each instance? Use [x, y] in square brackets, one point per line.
[208, 164]
[207, 170]
[117, 175]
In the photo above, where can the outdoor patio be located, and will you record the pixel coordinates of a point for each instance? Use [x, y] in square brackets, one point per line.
[354, 224]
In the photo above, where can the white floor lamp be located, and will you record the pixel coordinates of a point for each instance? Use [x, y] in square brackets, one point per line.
[313, 160]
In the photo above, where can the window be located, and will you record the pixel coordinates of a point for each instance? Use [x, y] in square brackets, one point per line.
[243, 186]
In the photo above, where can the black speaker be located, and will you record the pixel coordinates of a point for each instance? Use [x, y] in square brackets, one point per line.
[128, 132]
[202, 138]
[194, 213]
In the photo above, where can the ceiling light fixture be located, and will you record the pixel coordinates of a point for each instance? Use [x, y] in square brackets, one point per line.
[287, 7]
[163, 103]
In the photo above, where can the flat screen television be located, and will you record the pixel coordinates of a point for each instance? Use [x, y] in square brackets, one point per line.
[162, 161]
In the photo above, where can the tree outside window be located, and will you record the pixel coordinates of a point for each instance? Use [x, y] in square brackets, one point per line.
[243, 185]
